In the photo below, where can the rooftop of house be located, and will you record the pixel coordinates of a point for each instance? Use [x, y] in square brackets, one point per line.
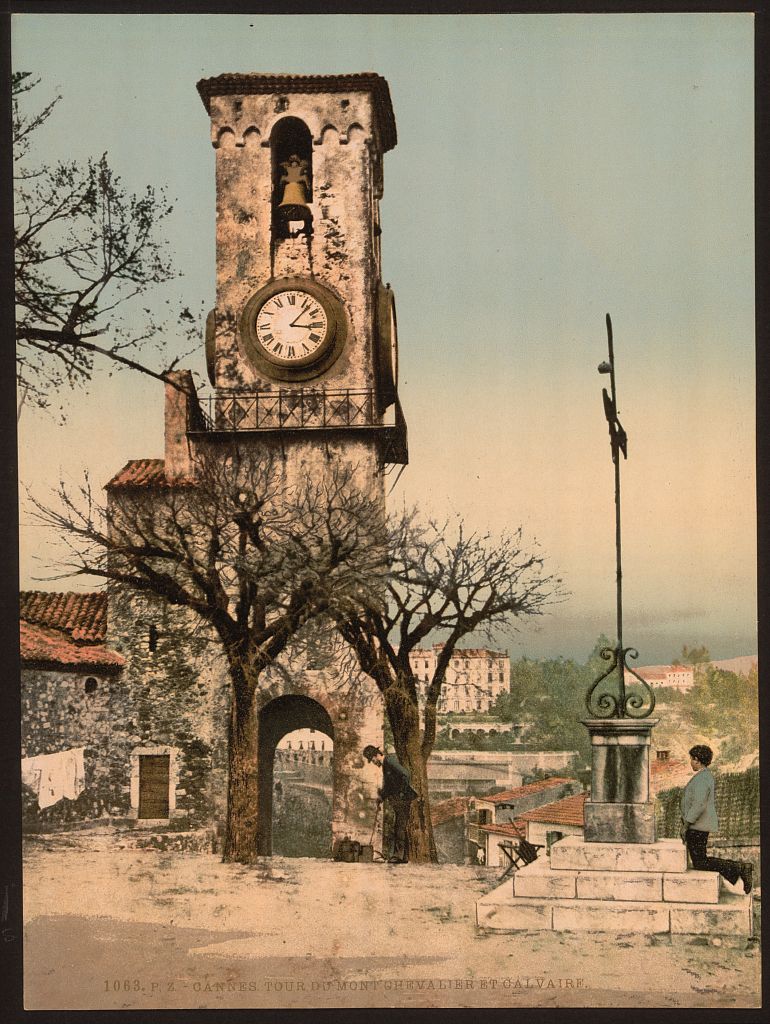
[567, 811]
[52, 649]
[65, 630]
[661, 670]
[82, 616]
[467, 652]
[511, 795]
[505, 828]
[140, 473]
[668, 773]
[447, 810]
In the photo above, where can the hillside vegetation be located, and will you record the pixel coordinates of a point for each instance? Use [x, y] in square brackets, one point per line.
[548, 697]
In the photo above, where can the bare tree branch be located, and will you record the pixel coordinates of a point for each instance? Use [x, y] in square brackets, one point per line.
[85, 251]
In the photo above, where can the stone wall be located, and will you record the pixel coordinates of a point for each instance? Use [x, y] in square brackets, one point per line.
[451, 843]
[60, 711]
[177, 697]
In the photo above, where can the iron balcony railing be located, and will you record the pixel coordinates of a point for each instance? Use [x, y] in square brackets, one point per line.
[302, 409]
[290, 409]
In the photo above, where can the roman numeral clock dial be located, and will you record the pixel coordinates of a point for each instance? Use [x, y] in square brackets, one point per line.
[293, 330]
[291, 326]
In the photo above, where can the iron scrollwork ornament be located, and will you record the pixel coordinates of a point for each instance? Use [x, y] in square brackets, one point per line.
[618, 704]
[624, 704]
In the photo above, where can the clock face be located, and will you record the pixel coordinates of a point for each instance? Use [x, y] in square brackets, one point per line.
[292, 328]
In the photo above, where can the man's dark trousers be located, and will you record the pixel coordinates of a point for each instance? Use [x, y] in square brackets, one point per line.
[696, 847]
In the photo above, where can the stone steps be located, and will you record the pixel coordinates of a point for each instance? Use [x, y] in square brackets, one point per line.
[540, 880]
[573, 853]
[501, 911]
[616, 887]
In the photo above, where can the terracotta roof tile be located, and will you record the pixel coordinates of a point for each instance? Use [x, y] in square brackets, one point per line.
[51, 649]
[446, 810]
[82, 616]
[521, 791]
[140, 473]
[505, 828]
[568, 811]
[668, 774]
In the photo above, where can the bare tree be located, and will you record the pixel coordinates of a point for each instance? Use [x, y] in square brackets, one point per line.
[85, 249]
[251, 556]
[443, 582]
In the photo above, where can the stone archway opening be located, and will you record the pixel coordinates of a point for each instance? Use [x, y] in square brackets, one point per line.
[296, 752]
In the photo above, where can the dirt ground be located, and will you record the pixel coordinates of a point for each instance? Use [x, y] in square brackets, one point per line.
[109, 926]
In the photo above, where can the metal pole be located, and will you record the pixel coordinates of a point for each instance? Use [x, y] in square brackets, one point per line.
[618, 562]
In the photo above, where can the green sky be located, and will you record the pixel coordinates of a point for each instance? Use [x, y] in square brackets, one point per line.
[549, 169]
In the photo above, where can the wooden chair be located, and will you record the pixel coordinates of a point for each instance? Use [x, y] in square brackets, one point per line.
[518, 853]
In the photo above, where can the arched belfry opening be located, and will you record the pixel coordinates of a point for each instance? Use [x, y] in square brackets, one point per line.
[280, 717]
[291, 147]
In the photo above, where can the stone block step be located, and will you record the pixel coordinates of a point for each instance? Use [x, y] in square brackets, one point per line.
[697, 919]
[501, 911]
[691, 887]
[538, 879]
[531, 914]
[573, 853]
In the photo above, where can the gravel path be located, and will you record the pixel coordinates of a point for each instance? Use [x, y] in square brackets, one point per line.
[108, 926]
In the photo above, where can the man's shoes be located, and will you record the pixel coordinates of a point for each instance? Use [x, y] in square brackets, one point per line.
[396, 860]
[746, 875]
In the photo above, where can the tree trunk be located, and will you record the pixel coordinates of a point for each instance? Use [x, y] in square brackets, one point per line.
[242, 781]
[405, 725]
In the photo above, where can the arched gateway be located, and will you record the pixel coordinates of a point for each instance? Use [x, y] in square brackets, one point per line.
[277, 718]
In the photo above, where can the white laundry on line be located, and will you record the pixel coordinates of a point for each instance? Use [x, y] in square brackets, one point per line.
[54, 777]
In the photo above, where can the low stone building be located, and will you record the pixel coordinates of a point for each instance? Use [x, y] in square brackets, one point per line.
[498, 817]
[146, 710]
[450, 820]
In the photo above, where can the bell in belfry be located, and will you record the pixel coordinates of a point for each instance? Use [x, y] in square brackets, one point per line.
[293, 207]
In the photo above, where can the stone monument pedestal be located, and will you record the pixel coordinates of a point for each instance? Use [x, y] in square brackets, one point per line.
[620, 809]
[613, 887]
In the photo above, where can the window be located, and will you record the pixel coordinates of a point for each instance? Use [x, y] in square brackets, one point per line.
[551, 838]
[90, 685]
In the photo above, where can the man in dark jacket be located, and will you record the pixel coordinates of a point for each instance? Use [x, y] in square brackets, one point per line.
[396, 788]
[699, 817]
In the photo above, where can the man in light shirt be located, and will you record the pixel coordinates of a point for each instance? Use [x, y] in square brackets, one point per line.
[699, 817]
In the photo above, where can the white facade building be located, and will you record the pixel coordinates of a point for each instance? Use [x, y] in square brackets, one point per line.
[676, 677]
[474, 677]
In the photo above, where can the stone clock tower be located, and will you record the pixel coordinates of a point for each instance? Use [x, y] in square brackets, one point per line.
[301, 348]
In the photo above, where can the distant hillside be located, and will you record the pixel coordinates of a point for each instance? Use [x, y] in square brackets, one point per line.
[720, 710]
[741, 666]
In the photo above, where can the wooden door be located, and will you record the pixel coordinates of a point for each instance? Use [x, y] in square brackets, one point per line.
[153, 785]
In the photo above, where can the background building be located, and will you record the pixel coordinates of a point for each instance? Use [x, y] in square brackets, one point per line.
[474, 677]
[676, 677]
